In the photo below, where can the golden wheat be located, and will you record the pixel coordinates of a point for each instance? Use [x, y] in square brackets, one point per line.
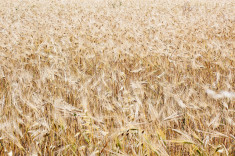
[116, 77]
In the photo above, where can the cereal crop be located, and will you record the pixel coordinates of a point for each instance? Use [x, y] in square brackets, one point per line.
[117, 77]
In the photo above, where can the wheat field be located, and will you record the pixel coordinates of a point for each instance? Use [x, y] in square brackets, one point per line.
[117, 77]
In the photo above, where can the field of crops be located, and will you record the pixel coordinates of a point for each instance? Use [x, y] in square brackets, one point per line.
[117, 77]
